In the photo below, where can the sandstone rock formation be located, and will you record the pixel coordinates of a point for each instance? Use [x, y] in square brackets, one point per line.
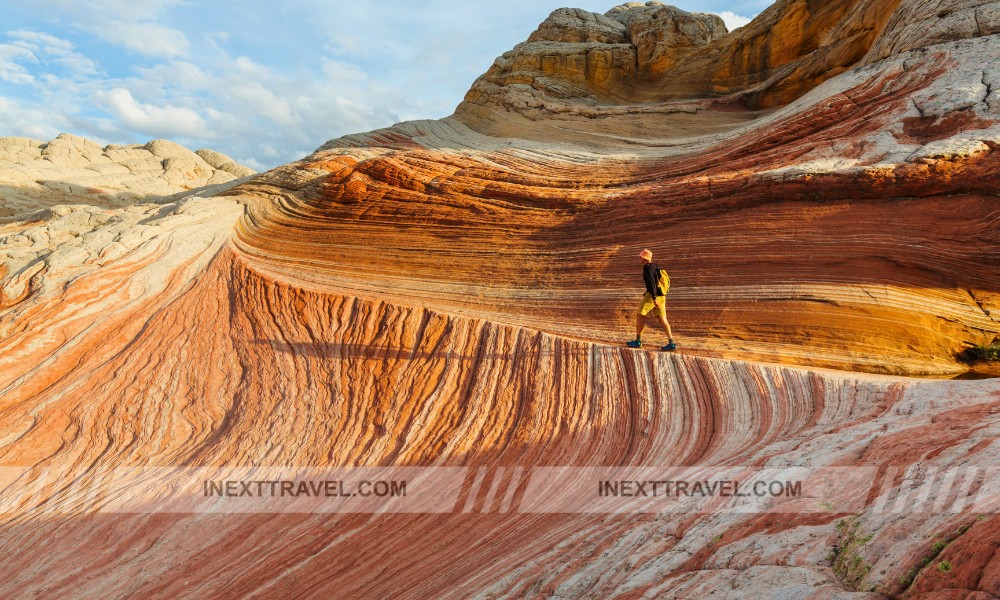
[74, 170]
[851, 218]
[454, 294]
[786, 51]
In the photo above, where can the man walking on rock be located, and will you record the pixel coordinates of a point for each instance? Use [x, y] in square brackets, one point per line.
[655, 299]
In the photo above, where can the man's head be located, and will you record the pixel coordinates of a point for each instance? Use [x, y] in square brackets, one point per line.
[646, 255]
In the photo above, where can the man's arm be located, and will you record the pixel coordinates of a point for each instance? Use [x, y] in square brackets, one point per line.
[649, 277]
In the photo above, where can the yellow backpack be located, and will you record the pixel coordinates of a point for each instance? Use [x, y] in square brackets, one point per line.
[664, 280]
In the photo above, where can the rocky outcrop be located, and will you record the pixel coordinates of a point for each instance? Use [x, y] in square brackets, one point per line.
[74, 170]
[922, 24]
[575, 52]
[224, 163]
[800, 198]
[622, 57]
[455, 293]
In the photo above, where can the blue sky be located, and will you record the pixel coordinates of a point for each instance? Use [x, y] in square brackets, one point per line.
[264, 82]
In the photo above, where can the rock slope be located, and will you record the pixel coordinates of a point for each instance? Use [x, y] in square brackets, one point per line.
[73, 170]
[453, 294]
[851, 228]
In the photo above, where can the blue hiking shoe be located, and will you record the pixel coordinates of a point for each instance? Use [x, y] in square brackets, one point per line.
[634, 343]
[669, 347]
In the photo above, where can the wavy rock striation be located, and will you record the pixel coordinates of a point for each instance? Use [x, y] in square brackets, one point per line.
[453, 293]
[850, 229]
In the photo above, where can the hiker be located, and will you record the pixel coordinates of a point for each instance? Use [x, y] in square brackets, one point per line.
[655, 299]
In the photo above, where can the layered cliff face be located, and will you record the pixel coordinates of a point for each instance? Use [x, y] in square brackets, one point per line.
[623, 57]
[454, 294]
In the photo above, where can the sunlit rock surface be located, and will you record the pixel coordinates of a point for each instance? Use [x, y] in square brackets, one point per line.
[852, 228]
[72, 170]
[455, 293]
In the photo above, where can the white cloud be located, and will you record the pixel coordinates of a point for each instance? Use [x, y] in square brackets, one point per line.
[37, 47]
[11, 51]
[9, 69]
[349, 45]
[253, 163]
[36, 40]
[15, 73]
[159, 121]
[733, 20]
[27, 122]
[217, 38]
[340, 72]
[77, 64]
[163, 79]
[246, 66]
[227, 123]
[260, 101]
[130, 24]
[146, 38]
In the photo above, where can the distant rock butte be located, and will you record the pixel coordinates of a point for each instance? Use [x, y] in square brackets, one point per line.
[623, 56]
[71, 170]
[822, 187]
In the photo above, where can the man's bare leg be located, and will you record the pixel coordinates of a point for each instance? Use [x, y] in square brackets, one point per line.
[666, 327]
[639, 326]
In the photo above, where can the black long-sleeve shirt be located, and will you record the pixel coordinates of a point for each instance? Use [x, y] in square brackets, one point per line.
[651, 275]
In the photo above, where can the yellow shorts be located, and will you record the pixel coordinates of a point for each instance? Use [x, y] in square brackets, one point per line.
[647, 304]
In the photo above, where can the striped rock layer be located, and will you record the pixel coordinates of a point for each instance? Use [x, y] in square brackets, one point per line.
[454, 293]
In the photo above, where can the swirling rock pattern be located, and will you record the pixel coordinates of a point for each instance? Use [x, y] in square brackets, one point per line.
[454, 293]
[816, 234]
